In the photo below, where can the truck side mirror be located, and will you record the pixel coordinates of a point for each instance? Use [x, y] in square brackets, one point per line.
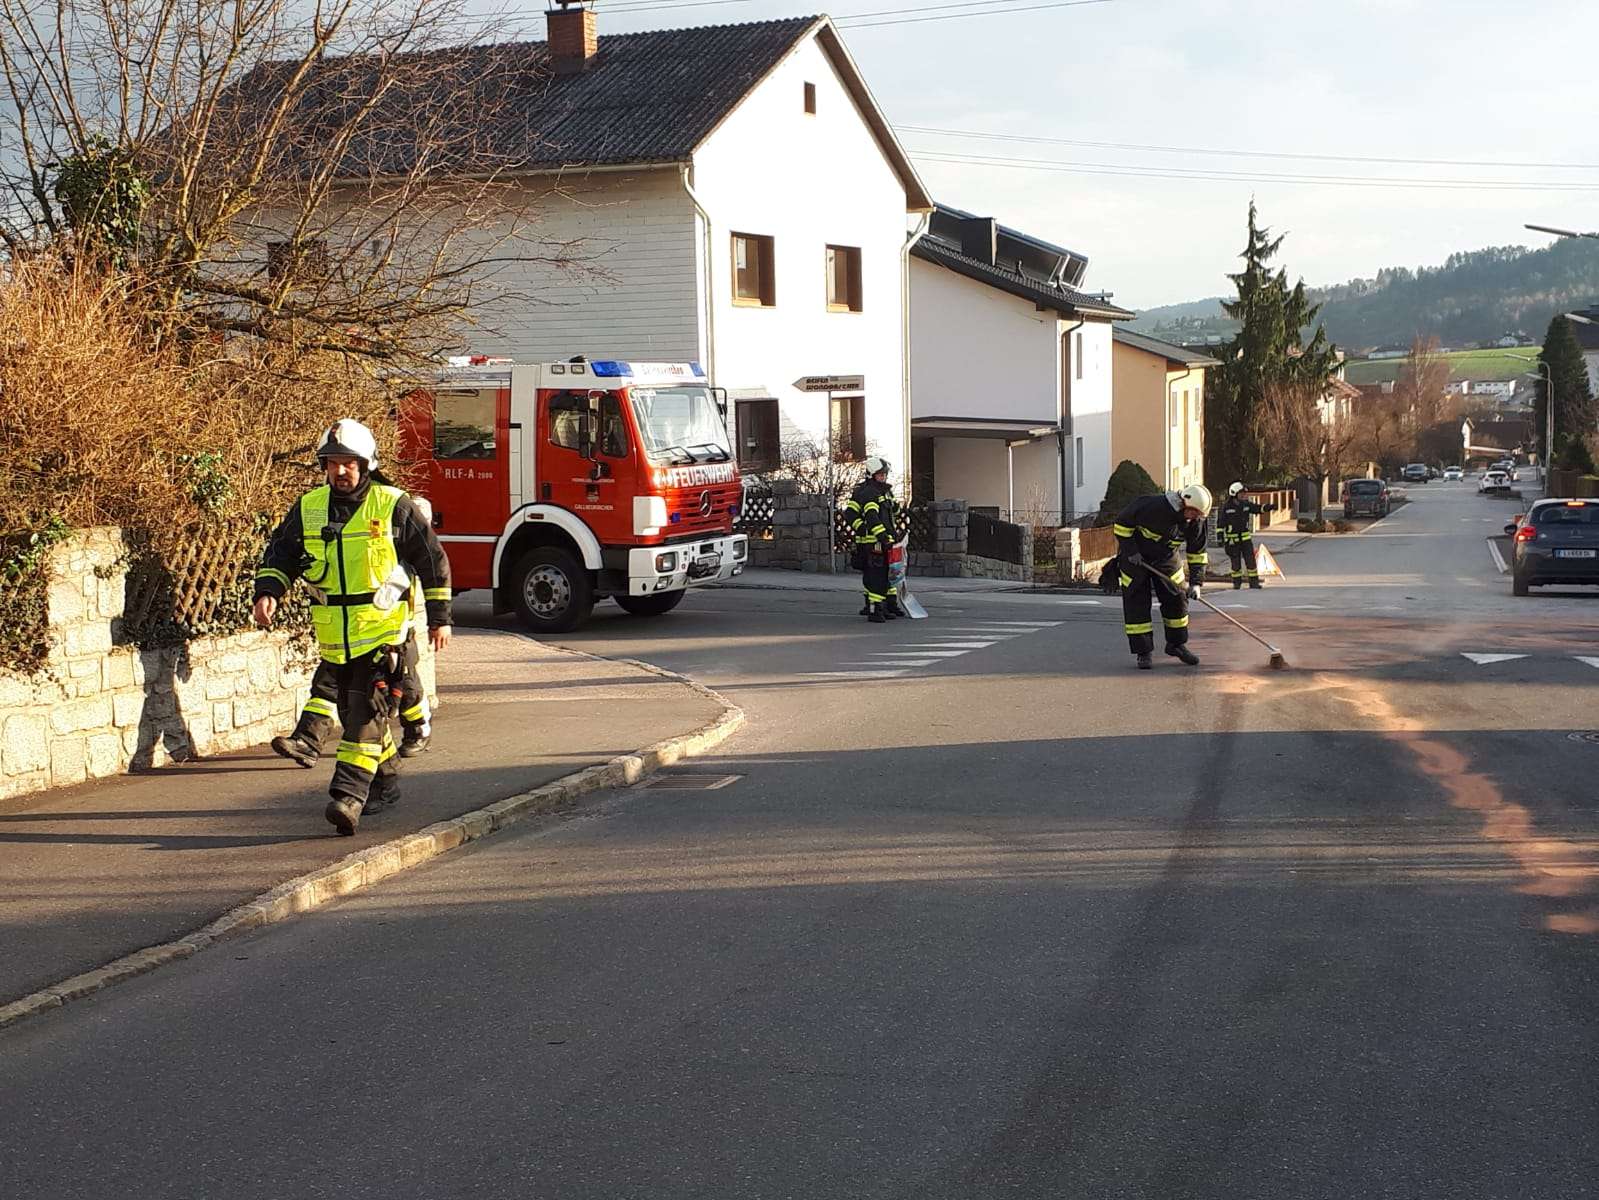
[720, 396]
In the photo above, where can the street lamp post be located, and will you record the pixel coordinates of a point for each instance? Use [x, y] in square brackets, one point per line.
[1548, 415]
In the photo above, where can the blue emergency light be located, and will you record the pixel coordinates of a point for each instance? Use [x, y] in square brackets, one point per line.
[611, 367]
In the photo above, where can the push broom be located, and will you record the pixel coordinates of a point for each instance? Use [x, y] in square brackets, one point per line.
[1277, 661]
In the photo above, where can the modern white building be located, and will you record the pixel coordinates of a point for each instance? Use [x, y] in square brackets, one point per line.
[1010, 372]
[741, 202]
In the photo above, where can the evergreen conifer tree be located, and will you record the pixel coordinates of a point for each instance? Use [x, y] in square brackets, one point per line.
[1267, 350]
[1574, 402]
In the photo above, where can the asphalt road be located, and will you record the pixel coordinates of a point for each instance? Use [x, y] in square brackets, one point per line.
[970, 909]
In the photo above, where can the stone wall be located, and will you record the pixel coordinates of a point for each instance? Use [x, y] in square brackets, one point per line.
[802, 533]
[950, 559]
[100, 708]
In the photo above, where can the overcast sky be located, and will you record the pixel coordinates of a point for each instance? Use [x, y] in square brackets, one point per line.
[1468, 80]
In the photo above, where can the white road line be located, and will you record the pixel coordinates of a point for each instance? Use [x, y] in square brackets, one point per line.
[907, 663]
[1029, 624]
[947, 645]
[1499, 559]
[1483, 659]
[1586, 658]
[919, 653]
[1094, 602]
[1306, 606]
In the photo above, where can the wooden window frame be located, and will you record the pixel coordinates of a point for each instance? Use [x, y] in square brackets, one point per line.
[854, 427]
[765, 249]
[853, 301]
[810, 99]
[759, 417]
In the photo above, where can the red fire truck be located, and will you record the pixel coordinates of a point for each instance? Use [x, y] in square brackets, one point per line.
[555, 484]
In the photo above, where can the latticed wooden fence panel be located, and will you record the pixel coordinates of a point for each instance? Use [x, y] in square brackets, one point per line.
[755, 516]
[200, 585]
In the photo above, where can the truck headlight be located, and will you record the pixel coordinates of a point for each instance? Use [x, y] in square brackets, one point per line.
[666, 563]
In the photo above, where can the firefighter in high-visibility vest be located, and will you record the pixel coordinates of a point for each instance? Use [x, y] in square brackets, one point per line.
[320, 713]
[1238, 535]
[872, 518]
[1153, 533]
[357, 544]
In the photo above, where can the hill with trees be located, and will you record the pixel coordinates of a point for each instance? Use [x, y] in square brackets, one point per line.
[1474, 297]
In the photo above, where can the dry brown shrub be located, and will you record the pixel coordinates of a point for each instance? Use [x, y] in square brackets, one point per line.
[171, 444]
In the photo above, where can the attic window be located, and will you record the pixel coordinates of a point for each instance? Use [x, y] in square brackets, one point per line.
[810, 98]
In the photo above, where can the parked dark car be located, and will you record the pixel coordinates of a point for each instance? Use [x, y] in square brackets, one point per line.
[1414, 473]
[1556, 542]
[1364, 497]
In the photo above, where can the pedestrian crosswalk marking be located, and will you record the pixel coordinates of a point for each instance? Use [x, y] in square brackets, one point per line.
[1485, 659]
[1587, 658]
[949, 645]
[918, 653]
[898, 662]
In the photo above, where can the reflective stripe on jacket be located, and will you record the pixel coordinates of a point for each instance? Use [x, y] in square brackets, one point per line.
[347, 566]
[870, 510]
[1151, 527]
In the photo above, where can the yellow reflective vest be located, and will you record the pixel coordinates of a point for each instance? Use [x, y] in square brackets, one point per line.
[348, 569]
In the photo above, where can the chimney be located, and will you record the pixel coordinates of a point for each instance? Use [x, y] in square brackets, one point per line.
[572, 37]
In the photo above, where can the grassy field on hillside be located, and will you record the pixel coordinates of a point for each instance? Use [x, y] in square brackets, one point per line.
[1485, 365]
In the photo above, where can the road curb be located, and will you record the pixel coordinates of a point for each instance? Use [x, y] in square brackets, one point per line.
[366, 867]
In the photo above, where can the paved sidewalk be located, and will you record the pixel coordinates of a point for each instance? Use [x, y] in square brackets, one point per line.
[94, 872]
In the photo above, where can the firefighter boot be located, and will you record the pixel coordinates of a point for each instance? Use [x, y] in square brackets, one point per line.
[1183, 655]
[1238, 585]
[866, 609]
[1146, 663]
[1255, 583]
[385, 794]
[297, 748]
[344, 813]
[892, 609]
[875, 616]
[414, 742]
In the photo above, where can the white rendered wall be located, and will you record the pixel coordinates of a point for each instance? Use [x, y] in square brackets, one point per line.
[807, 181]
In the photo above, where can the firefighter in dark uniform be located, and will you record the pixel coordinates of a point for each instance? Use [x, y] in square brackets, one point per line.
[1238, 535]
[872, 517]
[358, 543]
[1152, 535]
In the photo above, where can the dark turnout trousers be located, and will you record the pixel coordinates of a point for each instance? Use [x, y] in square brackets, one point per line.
[1136, 616]
[367, 766]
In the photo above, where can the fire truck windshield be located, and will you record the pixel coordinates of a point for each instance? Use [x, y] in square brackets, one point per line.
[678, 422]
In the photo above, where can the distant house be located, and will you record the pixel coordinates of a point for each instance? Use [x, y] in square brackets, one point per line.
[1489, 441]
[1392, 350]
[1585, 324]
[1157, 417]
[1010, 371]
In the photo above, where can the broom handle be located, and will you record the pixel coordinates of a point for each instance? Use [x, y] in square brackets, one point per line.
[1166, 583]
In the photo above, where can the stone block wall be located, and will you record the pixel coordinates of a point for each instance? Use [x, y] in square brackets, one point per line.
[802, 533]
[950, 557]
[100, 708]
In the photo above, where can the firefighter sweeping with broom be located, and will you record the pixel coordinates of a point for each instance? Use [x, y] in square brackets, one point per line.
[1152, 535]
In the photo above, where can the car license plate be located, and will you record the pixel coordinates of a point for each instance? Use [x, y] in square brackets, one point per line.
[1576, 553]
[705, 564]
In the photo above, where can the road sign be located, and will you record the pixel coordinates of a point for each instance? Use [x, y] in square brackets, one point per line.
[831, 383]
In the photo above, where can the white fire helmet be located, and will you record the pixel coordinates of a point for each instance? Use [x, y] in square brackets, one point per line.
[351, 439]
[875, 464]
[1234, 489]
[1196, 495]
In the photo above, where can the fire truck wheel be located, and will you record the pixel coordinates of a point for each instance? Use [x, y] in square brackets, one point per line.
[551, 590]
[652, 606]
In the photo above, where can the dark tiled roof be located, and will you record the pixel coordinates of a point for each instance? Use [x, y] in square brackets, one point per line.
[645, 98]
[1065, 300]
[1587, 334]
[1177, 354]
